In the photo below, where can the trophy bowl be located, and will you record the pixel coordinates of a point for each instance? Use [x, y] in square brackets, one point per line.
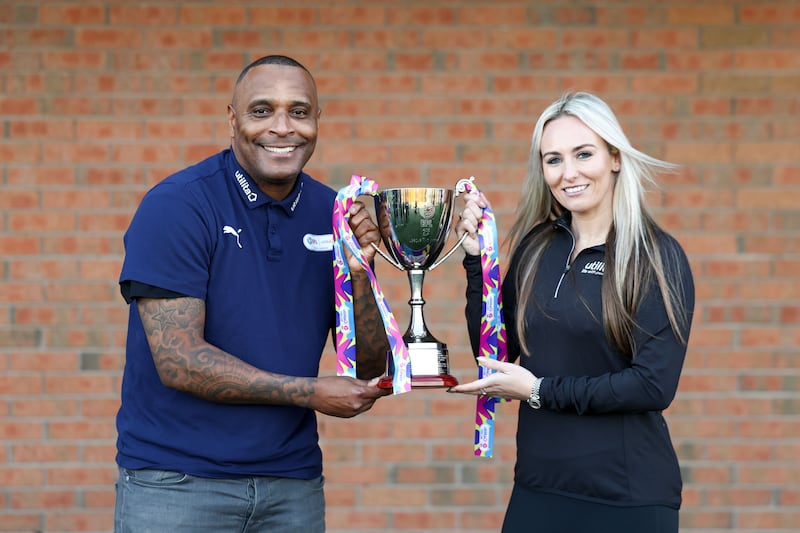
[415, 224]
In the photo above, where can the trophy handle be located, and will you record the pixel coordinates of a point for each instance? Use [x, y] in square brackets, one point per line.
[461, 187]
[449, 253]
[441, 260]
[391, 261]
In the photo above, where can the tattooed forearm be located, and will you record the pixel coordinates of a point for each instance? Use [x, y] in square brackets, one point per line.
[371, 342]
[185, 361]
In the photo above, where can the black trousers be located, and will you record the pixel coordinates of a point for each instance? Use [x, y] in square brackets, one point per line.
[540, 512]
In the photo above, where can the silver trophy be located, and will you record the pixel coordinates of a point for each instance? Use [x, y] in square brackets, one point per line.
[414, 224]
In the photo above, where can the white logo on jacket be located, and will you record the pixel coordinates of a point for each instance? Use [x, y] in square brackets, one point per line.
[596, 268]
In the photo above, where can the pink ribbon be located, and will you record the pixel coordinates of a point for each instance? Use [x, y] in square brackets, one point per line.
[345, 335]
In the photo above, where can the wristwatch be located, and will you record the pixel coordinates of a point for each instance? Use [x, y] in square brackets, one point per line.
[534, 400]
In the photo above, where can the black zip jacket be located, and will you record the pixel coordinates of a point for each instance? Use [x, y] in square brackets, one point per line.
[600, 434]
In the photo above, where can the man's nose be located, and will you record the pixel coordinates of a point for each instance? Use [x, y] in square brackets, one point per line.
[281, 123]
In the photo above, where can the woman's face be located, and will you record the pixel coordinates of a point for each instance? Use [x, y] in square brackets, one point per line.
[578, 167]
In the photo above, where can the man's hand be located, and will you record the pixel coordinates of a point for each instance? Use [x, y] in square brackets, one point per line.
[365, 231]
[345, 397]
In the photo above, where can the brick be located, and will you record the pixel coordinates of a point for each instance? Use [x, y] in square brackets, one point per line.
[421, 16]
[81, 521]
[387, 130]
[374, 475]
[458, 38]
[43, 500]
[84, 430]
[399, 497]
[289, 16]
[768, 14]
[187, 38]
[13, 522]
[208, 15]
[543, 38]
[429, 152]
[143, 15]
[701, 15]
[771, 519]
[41, 361]
[73, 60]
[733, 37]
[355, 520]
[108, 38]
[40, 37]
[44, 453]
[72, 14]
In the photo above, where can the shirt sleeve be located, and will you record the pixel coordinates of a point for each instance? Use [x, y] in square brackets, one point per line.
[132, 290]
[651, 381]
[168, 243]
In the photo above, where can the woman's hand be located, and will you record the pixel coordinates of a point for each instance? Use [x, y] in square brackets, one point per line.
[472, 212]
[509, 381]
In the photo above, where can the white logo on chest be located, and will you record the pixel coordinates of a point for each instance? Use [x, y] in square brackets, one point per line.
[318, 243]
[230, 231]
[595, 267]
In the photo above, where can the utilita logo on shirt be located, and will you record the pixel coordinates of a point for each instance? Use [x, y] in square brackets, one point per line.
[245, 185]
[595, 267]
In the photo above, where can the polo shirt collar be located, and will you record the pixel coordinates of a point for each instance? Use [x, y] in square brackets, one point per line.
[253, 196]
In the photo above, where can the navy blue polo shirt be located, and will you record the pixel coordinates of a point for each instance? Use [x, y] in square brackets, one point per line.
[264, 269]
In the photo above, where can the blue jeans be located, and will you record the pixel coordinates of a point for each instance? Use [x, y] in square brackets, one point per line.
[160, 501]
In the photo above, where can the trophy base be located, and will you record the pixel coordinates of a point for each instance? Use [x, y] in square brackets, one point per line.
[430, 360]
[441, 381]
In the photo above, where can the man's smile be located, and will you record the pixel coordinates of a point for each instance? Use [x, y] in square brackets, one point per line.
[280, 149]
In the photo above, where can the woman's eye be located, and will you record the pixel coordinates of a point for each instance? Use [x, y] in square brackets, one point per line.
[584, 155]
[553, 160]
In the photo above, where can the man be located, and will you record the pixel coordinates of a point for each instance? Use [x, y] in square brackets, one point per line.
[228, 272]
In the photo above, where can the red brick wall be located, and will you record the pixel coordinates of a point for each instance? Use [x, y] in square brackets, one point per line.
[99, 100]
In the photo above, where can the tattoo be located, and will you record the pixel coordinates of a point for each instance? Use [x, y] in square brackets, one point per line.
[186, 361]
[371, 342]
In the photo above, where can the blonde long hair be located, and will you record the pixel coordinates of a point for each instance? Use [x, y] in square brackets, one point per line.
[634, 254]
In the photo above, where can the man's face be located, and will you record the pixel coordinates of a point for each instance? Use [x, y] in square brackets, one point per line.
[274, 118]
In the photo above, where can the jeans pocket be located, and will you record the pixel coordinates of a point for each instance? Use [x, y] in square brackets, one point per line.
[154, 478]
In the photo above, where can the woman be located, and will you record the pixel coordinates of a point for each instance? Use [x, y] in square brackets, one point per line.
[598, 300]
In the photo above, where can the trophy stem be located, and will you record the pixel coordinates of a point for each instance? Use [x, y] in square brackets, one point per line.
[417, 330]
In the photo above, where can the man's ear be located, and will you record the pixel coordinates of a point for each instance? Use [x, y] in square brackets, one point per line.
[231, 120]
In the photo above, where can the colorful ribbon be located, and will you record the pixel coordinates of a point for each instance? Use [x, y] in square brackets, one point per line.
[493, 330]
[345, 319]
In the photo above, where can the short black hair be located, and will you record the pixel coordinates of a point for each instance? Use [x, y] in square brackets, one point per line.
[272, 60]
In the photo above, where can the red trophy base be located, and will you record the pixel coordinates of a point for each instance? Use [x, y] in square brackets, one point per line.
[441, 381]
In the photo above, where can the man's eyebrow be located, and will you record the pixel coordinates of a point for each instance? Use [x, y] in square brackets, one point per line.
[267, 101]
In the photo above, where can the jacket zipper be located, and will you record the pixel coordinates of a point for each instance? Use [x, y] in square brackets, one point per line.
[567, 265]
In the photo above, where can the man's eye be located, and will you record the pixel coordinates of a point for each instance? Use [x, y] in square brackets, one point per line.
[260, 111]
[300, 113]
